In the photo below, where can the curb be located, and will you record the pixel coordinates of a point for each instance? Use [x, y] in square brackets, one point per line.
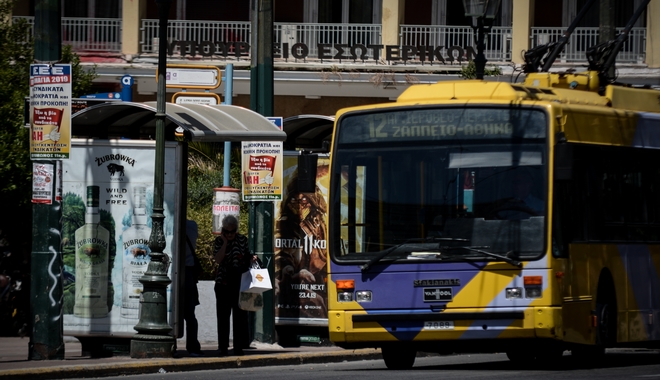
[146, 366]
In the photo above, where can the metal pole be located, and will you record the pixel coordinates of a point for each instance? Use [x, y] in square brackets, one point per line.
[563, 41]
[480, 60]
[229, 91]
[261, 101]
[153, 338]
[46, 292]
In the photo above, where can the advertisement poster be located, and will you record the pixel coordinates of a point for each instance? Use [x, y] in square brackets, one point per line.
[108, 201]
[43, 177]
[301, 248]
[261, 168]
[50, 111]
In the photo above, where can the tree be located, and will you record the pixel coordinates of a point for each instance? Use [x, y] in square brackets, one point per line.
[16, 56]
[206, 172]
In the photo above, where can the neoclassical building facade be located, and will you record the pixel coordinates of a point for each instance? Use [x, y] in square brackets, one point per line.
[334, 53]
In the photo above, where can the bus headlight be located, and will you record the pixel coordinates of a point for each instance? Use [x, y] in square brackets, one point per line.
[533, 286]
[512, 293]
[363, 296]
[345, 290]
[533, 292]
[344, 296]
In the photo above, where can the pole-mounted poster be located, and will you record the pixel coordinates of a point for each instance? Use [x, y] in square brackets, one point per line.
[262, 170]
[50, 111]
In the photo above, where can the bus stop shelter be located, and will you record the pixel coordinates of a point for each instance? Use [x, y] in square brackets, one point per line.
[112, 154]
[204, 123]
[308, 132]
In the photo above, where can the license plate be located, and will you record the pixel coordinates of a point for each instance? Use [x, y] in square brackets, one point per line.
[439, 325]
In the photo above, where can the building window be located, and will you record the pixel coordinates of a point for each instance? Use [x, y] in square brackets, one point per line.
[346, 11]
[91, 8]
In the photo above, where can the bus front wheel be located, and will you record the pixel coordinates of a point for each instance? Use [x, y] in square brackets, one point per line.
[399, 357]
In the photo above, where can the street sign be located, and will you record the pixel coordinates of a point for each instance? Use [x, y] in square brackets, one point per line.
[206, 98]
[103, 95]
[276, 120]
[192, 76]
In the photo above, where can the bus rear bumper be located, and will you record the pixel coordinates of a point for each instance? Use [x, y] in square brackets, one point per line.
[359, 329]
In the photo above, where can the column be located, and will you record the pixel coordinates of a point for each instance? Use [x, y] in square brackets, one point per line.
[653, 34]
[133, 11]
[523, 14]
[393, 12]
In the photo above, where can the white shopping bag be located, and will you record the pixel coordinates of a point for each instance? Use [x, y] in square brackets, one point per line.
[255, 280]
[250, 301]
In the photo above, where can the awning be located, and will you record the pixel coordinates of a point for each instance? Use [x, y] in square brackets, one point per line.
[206, 123]
[308, 132]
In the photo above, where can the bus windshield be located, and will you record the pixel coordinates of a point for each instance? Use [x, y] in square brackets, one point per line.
[444, 183]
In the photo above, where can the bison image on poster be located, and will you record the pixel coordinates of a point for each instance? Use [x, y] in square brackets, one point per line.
[301, 248]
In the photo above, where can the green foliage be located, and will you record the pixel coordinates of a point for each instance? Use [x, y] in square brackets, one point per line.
[206, 172]
[470, 71]
[82, 79]
[16, 55]
[204, 241]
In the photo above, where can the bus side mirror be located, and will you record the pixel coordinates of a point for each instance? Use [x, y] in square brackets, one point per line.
[307, 172]
[563, 161]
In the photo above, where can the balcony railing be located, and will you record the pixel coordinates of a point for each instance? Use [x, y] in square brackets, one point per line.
[633, 51]
[223, 39]
[220, 38]
[313, 34]
[89, 34]
[456, 41]
[205, 34]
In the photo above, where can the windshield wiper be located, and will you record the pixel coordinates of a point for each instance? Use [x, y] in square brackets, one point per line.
[393, 248]
[477, 249]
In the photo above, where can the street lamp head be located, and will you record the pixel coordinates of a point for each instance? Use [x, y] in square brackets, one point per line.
[481, 8]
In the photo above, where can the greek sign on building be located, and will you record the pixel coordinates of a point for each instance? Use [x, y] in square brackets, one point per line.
[50, 111]
[351, 52]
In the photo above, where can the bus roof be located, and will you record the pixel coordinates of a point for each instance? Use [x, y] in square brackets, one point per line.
[469, 90]
[620, 97]
[622, 116]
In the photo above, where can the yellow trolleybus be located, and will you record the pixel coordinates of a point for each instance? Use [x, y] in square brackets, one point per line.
[475, 216]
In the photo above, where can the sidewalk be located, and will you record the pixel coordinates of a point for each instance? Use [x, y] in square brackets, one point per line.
[14, 363]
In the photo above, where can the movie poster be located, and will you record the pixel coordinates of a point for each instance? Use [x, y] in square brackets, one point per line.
[301, 248]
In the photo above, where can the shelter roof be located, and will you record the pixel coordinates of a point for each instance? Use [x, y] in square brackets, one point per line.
[205, 123]
[308, 132]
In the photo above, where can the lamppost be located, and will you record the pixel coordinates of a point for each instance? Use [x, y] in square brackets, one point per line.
[484, 11]
[153, 338]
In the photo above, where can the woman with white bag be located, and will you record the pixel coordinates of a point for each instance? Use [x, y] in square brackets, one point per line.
[232, 254]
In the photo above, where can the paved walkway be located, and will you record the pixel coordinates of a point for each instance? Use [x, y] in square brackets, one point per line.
[14, 363]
